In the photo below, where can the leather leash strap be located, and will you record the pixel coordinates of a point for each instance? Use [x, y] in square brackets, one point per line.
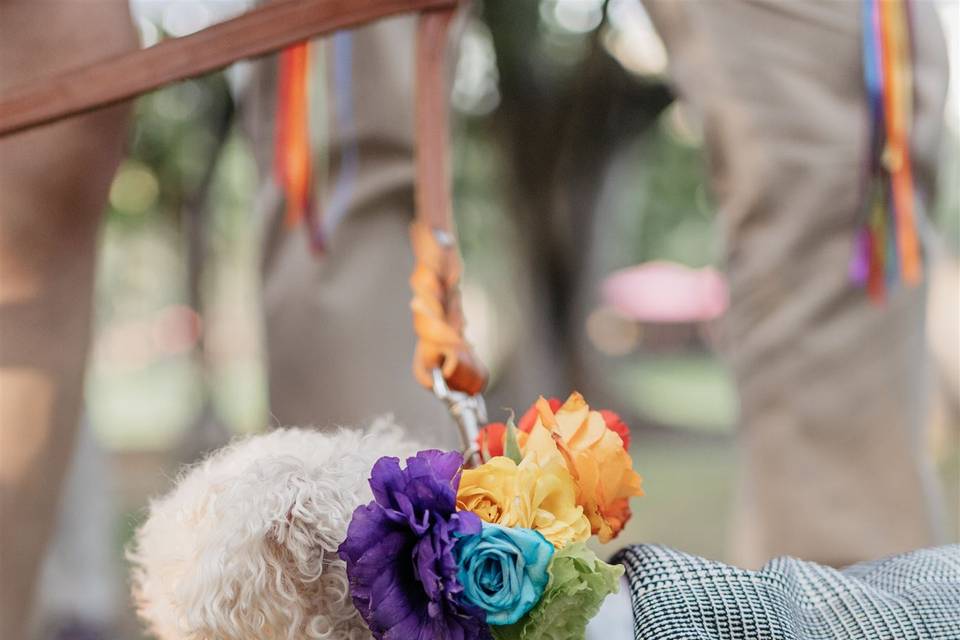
[437, 311]
[260, 31]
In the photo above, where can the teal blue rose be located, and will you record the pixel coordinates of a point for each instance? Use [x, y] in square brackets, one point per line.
[503, 571]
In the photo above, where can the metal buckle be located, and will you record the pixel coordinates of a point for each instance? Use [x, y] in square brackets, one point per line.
[469, 412]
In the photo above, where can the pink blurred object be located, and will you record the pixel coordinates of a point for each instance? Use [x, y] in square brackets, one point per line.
[666, 292]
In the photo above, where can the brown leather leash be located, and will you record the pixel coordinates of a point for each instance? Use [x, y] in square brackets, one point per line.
[438, 314]
[443, 360]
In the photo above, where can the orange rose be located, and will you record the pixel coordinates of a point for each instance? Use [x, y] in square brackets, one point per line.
[594, 455]
[529, 419]
[614, 423]
[492, 436]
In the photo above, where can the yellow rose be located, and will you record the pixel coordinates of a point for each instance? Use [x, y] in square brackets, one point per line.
[530, 495]
[595, 457]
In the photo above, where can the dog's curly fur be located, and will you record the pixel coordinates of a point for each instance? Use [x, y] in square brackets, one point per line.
[245, 545]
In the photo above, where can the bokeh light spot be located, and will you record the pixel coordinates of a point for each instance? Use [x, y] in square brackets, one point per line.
[135, 188]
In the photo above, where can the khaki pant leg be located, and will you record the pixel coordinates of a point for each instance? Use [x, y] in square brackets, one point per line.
[834, 462]
[338, 329]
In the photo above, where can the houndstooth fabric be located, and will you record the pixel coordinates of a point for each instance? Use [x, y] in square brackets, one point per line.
[676, 596]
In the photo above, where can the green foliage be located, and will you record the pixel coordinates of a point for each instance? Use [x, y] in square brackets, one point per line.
[511, 448]
[171, 146]
[661, 209]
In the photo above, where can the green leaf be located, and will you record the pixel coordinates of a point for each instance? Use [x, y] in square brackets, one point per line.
[511, 448]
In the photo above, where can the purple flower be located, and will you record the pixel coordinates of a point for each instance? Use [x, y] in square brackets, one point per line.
[400, 552]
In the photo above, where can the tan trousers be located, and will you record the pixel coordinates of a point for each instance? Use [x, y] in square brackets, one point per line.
[834, 458]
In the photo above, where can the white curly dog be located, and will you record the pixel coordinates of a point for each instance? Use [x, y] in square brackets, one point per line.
[245, 545]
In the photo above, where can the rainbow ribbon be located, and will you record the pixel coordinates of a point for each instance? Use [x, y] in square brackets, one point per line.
[887, 247]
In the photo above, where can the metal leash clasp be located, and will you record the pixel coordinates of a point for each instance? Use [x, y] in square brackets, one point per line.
[468, 411]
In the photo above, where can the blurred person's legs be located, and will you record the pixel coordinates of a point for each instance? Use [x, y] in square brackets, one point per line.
[832, 388]
[338, 330]
[53, 186]
[79, 590]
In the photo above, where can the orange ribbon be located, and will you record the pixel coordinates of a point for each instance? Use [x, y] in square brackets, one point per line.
[292, 162]
[897, 106]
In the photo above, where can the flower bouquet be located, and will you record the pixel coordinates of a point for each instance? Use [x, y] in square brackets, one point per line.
[496, 551]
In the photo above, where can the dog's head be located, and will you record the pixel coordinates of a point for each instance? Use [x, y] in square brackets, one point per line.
[245, 545]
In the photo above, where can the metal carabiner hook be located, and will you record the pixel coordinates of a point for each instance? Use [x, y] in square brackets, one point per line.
[468, 411]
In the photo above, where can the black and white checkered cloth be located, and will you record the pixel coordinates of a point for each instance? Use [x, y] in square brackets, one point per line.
[676, 596]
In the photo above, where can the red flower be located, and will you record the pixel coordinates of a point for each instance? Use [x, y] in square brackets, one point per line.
[493, 434]
[491, 439]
